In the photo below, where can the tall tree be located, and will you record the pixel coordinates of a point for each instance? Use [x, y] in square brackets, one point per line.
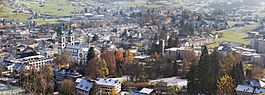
[103, 67]
[173, 41]
[201, 77]
[67, 87]
[237, 73]
[129, 57]
[231, 60]
[119, 59]
[97, 68]
[63, 60]
[46, 79]
[109, 57]
[119, 56]
[216, 67]
[95, 90]
[193, 82]
[91, 54]
[257, 71]
[95, 38]
[226, 85]
[189, 57]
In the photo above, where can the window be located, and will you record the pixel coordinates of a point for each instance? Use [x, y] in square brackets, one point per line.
[80, 55]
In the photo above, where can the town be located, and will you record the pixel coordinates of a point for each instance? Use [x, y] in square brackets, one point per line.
[132, 47]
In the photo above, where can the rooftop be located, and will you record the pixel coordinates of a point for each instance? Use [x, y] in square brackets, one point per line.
[84, 85]
[107, 82]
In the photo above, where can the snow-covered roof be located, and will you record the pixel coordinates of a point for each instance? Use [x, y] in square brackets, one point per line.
[250, 89]
[84, 85]
[244, 88]
[69, 73]
[172, 81]
[31, 57]
[77, 47]
[146, 91]
[141, 57]
[175, 49]
[78, 80]
[107, 82]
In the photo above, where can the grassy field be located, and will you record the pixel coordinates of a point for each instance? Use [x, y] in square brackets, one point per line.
[139, 3]
[45, 21]
[53, 7]
[63, 8]
[8, 14]
[238, 35]
[233, 36]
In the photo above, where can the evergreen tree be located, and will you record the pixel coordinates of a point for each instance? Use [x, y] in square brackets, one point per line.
[215, 65]
[237, 73]
[173, 42]
[95, 38]
[203, 77]
[193, 83]
[91, 54]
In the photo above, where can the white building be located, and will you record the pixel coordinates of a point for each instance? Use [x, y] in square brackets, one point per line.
[78, 53]
[34, 62]
[172, 81]
[107, 86]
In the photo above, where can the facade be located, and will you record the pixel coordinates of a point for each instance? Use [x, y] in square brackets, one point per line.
[78, 53]
[67, 39]
[176, 52]
[258, 45]
[249, 57]
[34, 62]
[108, 86]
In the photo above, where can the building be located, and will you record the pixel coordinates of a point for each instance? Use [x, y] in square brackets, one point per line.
[67, 39]
[200, 42]
[67, 73]
[176, 52]
[34, 62]
[258, 45]
[171, 81]
[251, 87]
[108, 86]
[83, 86]
[249, 57]
[147, 91]
[78, 53]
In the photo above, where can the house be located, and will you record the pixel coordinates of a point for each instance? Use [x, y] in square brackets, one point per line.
[108, 86]
[67, 73]
[252, 86]
[253, 34]
[147, 91]
[83, 87]
[171, 81]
